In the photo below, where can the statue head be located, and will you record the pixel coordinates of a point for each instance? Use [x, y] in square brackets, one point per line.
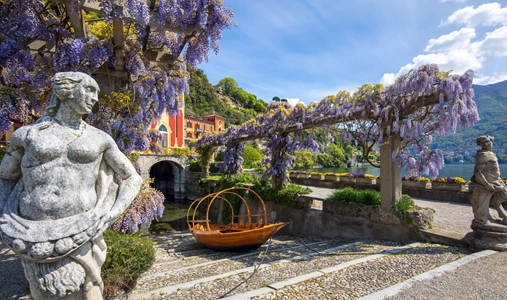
[64, 86]
[485, 141]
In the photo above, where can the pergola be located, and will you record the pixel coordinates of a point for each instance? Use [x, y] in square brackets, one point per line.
[423, 102]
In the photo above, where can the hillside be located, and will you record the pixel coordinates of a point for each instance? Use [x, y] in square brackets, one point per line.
[227, 99]
[492, 104]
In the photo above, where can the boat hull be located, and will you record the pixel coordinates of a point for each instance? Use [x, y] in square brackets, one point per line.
[235, 238]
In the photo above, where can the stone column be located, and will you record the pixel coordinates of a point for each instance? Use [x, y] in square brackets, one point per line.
[390, 173]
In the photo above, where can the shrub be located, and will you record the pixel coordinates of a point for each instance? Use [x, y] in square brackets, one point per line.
[369, 197]
[347, 194]
[350, 195]
[286, 196]
[251, 157]
[181, 152]
[128, 256]
[404, 204]
[194, 166]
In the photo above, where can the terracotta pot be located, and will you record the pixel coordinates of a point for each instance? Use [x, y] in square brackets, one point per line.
[366, 181]
[330, 177]
[460, 187]
[416, 184]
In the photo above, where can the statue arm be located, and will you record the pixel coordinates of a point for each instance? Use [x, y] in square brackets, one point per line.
[10, 170]
[130, 183]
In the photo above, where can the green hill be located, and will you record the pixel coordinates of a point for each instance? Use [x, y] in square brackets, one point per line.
[492, 105]
[226, 99]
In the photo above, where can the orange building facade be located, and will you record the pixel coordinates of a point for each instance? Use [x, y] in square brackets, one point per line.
[178, 130]
[196, 126]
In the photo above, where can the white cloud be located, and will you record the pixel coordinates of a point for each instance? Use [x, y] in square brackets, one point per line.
[495, 42]
[388, 78]
[459, 50]
[488, 14]
[293, 101]
[490, 79]
[457, 39]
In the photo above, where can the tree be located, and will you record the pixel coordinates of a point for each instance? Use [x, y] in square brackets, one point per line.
[228, 85]
[304, 159]
[138, 54]
[252, 157]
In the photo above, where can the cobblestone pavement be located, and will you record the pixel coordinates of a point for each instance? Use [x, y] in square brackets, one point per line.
[481, 279]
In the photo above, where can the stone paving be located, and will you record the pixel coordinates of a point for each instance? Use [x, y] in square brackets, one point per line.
[352, 269]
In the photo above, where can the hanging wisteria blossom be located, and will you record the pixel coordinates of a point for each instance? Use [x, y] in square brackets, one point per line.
[422, 103]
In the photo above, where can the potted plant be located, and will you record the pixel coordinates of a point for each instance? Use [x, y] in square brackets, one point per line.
[449, 183]
[365, 178]
[416, 182]
[330, 176]
[346, 177]
[316, 175]
[293, 174]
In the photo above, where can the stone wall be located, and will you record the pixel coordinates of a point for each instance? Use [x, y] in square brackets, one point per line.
[327, 219]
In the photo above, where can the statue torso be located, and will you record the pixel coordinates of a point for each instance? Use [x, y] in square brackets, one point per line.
[59, 170]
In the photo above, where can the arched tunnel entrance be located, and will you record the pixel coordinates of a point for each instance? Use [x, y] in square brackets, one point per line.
[163, 175]
[168, 179]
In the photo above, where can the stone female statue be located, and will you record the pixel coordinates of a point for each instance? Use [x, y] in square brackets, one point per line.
[62, 182]
[488, 185]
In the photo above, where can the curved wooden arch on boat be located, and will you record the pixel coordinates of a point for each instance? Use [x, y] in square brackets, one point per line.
[233, 236]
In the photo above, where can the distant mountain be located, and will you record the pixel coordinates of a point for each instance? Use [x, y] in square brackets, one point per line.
[492, 105]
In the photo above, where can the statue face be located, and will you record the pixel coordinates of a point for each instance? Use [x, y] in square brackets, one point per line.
[85, 96]
[487, 145]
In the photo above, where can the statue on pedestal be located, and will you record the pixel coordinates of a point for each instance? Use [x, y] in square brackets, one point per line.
[62, 183]
[488, 188]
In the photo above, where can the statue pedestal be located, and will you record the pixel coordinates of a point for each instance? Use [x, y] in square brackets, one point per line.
[491, 236]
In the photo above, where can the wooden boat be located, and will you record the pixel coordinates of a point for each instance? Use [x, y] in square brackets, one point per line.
[249, 231]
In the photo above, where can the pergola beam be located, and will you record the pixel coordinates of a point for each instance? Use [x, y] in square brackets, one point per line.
[94, 6]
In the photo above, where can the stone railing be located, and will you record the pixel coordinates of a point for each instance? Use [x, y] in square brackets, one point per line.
[430, 190]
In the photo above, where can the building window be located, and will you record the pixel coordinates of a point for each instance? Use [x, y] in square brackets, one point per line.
[189, 125]
[197, 126]
[189, 134]
[163, 135]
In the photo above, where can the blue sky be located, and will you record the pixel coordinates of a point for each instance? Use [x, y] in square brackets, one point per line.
[308, 49]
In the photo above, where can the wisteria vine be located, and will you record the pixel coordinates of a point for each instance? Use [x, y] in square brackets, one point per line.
[142, 75]
[422, 103]
[38, 40]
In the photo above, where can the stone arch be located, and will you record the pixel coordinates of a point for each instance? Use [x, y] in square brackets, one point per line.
[170, 171]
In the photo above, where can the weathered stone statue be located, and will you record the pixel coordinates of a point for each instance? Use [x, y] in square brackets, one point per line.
[488, 185]
[489, 188]
[62, 183]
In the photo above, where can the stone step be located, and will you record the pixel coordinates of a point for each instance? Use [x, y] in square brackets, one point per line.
[161, 268]
[184, 272]
[210, 282]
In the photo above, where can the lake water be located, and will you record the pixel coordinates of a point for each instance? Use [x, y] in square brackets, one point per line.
[464, 171]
